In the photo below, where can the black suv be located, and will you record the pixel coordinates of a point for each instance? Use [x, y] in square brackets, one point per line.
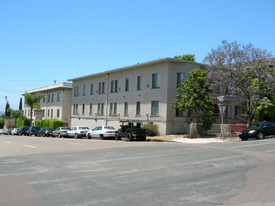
[33, 131]
[131, 130]
[23, 130]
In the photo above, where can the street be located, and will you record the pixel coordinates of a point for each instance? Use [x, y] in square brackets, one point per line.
[79, 172]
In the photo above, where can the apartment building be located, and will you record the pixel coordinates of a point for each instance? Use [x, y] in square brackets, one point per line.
[139, 92]
[56, 103]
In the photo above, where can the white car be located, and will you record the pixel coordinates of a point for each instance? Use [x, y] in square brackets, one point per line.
[78, 131]
[102, 132]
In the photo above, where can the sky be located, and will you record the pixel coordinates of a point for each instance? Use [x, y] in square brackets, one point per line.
[42, 41]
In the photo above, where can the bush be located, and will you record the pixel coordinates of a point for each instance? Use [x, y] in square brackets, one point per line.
[22, 121]
[152, 129]
[52, 123]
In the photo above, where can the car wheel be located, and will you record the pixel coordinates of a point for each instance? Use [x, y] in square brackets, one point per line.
[101, 137]
[75, 136]
[117, 137]
[59, 135]
[89, 136]
[260, 135]
[129, 137]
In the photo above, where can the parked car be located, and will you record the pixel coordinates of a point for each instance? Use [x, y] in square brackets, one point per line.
[60, 132]
[33, 131]
[3, 131]
[102, 132]
[132, 130]
[45, 132]
[9, 131]
[14, 131]
[23, 130]
[258, 130]
[78, 131]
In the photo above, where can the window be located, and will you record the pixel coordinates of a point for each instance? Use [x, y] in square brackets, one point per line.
[57, 113]
[155, 80]
[84, 90]
[138, 108]
[83, 108]
[44, 99]
[139, 80]
[91, 109]
[114, 86]
[49, 98]
[179, 113]
[101, 87]
[52, 97]
[58, 97]
[48, 113]
[113, 108]
[155, 108]
[43, 113]
[126, 108]
[100, 108]
[126, 84]
[180, 79]
[51, 113]
[76, 89]
[237, 110]
[92, 89]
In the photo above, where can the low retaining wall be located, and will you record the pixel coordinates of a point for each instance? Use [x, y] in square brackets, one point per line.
[227, 128]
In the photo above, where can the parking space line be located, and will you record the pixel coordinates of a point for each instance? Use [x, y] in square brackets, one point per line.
[75, 143]
[30, 146]
[7, 142]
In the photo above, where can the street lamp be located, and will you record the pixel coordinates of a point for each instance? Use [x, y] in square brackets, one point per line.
[222, 107]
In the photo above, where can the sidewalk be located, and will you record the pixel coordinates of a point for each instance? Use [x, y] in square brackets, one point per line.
[185, 139]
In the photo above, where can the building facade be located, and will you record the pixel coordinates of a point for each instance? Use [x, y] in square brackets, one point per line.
[56, 103]
[139, 92]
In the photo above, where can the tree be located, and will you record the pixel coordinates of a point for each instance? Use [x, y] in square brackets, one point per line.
[193, 97]
[20, 105]
[32, 100]
[7, 110]
[188, 57]
[242, 70]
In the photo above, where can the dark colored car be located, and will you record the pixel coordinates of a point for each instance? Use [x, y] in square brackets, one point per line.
[45, 132]
[258, 131]
[23, 130]
[33, 131]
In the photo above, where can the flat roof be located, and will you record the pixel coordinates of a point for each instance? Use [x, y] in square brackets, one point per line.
[159, 61]
[63, 85]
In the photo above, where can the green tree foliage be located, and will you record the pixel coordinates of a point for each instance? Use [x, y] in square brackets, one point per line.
[32, 100]
[2, 121]
[16, 114]
[7, 110]
[20, 105]
[193, 98]
[246, 71]
[187, 57]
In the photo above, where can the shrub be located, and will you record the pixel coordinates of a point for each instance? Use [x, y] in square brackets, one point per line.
[22, 121]
[52, 123]
[152, 129]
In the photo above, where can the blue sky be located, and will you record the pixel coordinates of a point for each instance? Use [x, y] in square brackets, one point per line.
[46, 40]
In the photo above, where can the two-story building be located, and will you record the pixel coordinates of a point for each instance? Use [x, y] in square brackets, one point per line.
[56, 103]
[139, 92]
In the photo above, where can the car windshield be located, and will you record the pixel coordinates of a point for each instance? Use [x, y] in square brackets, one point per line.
[256, 126]
[83, 128]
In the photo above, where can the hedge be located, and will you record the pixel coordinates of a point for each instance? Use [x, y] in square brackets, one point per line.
[52, 123]
[22, 121]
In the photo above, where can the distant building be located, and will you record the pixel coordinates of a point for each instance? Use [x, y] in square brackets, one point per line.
[56, 103]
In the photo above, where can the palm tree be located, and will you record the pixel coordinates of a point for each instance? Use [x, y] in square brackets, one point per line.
[32, 100]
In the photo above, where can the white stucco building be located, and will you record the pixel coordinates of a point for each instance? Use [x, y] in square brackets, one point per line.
[139, 92]
[56, 103]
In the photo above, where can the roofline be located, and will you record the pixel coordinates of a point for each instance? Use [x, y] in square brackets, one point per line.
[63, 85]
[158, 61]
